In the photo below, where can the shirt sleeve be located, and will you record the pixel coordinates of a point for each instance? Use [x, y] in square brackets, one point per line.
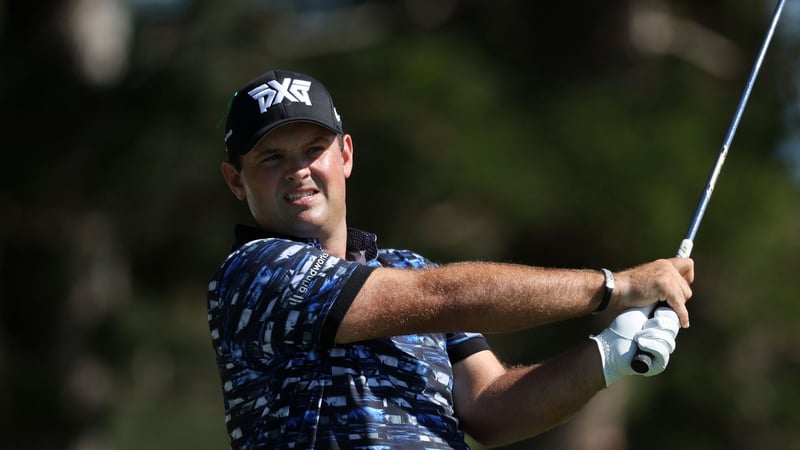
[274, 295]
[462, 345]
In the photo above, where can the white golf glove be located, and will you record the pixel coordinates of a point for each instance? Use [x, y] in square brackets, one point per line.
[632, 330]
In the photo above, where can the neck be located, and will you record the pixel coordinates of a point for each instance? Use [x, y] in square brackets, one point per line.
[335, 246]
[335, 242]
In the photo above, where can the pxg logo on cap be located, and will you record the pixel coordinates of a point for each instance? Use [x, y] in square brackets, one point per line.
[276, 98]
[274, 92]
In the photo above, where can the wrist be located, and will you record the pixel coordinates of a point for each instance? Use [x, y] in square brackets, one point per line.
[606, 291]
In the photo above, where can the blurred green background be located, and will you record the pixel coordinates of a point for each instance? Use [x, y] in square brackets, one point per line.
[575, 134]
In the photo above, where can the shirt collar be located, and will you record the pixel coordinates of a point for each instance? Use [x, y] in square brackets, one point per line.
[362, 246]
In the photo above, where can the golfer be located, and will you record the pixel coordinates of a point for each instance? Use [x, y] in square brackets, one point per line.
[325, 341]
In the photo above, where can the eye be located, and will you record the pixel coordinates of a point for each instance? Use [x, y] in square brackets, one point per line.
[315, 151]
[270, 158]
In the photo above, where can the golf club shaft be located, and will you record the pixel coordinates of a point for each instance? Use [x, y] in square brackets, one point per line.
[642, 361]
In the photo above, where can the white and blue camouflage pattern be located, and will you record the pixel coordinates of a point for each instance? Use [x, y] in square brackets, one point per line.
[274, 307]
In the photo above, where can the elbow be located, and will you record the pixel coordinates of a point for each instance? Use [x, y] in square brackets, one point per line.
[491, 433]
[490, 438]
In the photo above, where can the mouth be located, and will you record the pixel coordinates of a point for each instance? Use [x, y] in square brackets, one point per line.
[300, 195]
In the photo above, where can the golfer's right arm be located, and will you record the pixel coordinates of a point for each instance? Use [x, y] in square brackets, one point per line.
[492, 297]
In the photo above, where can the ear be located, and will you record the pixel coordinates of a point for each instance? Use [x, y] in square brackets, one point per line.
[347, 155]
[234, 180]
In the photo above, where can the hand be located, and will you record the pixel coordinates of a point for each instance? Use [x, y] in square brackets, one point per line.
[657, 337]
[664, 279]
[632, 330]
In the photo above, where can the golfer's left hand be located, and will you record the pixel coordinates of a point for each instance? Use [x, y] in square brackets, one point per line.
[631, 331]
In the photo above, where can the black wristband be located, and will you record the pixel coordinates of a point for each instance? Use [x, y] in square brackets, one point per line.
[608, 290]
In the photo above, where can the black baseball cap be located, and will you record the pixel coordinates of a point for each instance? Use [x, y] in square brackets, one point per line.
[274, 99]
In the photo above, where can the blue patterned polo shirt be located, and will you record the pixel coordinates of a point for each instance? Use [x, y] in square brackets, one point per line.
[274, 308]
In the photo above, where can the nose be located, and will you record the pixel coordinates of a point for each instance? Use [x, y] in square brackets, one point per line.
[298, 169]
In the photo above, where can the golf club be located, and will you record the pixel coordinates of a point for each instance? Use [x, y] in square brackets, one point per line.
[642, 361]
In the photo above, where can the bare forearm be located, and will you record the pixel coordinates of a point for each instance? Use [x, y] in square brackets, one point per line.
[485, 297]
[526, 401]
[491, 297]
[501, 297]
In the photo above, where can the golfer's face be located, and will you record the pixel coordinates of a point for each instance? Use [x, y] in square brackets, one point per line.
[294, 180]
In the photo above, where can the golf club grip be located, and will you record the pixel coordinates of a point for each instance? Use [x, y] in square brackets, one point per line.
[643, 361]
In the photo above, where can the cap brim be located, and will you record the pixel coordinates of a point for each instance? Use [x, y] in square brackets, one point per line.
[263, 132]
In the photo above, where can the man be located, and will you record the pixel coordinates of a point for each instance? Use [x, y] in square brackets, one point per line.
[325, 341]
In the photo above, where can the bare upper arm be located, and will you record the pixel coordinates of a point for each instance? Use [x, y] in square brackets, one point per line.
[470, 377]
[392, 302]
